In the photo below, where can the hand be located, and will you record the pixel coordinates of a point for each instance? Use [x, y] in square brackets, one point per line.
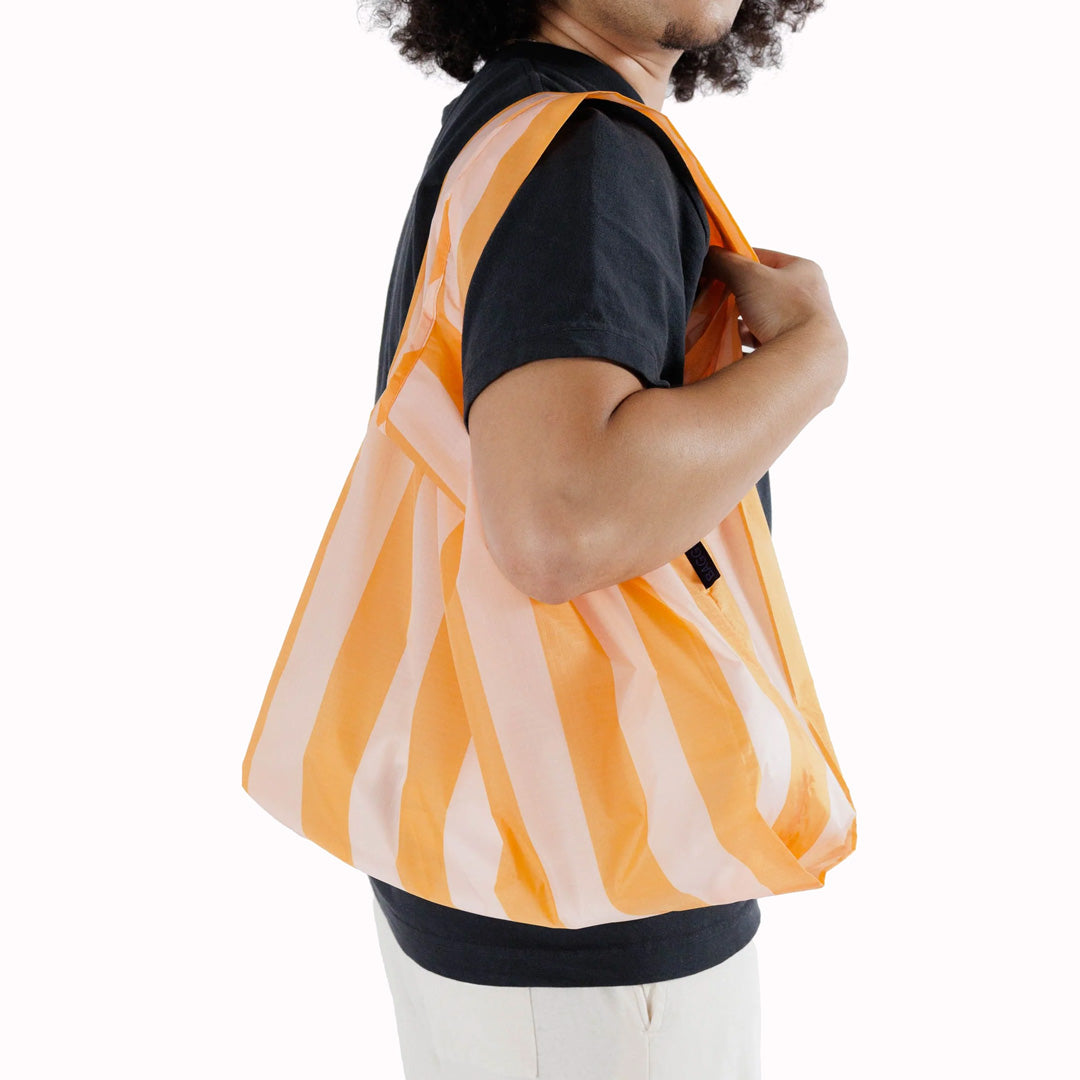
[781, 292]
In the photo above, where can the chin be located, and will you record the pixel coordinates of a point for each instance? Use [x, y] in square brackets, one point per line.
[699, 29]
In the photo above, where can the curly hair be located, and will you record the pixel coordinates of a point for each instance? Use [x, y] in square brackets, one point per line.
[455, 34]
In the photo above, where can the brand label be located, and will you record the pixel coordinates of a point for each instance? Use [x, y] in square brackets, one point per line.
[701, 561]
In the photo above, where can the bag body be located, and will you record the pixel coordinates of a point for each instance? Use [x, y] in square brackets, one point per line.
[643, 748]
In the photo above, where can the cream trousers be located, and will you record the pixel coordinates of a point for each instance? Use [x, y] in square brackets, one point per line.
[705, 1026]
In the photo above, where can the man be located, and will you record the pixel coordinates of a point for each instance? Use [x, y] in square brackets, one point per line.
[593, 463]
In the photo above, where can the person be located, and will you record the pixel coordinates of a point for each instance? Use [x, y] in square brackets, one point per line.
[572, 348]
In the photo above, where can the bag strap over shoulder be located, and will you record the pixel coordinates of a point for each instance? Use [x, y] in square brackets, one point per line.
[485, 176]
[555, 108]
[475, 193]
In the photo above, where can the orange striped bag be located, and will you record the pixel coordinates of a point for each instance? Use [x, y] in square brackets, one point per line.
[647, 747]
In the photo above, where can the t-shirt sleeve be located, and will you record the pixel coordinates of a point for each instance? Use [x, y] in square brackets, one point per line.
[597, 255]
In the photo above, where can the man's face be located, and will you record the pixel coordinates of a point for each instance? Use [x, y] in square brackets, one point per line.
[670, 24]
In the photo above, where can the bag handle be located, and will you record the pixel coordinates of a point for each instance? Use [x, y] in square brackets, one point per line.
[551, 109]
[519, 161]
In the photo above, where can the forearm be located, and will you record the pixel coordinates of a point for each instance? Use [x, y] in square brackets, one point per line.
[671, 463]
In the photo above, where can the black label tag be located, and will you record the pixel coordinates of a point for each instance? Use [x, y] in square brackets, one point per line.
[702, 563]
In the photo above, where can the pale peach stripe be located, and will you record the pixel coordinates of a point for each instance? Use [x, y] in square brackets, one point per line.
[294, 625]
[835, 832]
[764, 723]
[784, 622]
[429, 427]
[465, 192]
[375, 797]
[806, 809]
[449, 515]
[466, 187]
[441, 234]
[472, 844]
[432, 284]
[379, 479]
[470, 183]
[730, 549]
[420, 318]
[426, 416]
[512, 121]
[680, 830]
[528, 725]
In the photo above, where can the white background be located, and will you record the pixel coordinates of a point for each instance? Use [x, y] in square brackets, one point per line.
[200, 208]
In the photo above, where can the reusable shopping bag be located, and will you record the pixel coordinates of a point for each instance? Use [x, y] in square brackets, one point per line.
[651, 746]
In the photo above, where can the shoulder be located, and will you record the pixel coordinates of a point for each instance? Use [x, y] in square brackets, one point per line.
[614, 147]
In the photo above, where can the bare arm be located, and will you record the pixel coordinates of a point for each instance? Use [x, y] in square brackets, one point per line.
[586, 479]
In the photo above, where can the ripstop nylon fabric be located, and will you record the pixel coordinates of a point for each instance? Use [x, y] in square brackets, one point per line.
[647, 747]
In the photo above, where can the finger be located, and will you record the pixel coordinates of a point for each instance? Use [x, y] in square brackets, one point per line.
[725, 264]
[772, 254]
[722, 262]
[774, 258]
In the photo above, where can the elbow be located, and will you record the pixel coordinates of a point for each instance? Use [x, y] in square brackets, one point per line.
[542, 564]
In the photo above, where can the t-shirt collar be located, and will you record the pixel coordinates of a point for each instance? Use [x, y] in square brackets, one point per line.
[591, 69]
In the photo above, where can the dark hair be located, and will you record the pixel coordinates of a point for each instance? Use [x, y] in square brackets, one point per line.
[455, 34]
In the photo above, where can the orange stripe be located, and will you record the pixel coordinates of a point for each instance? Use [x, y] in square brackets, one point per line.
[410, 349]
[719, 344]
[521, 883]
[751, 511]
[729, 230]
[713, 735]
[294, 625]
[838, 853]
[690, 677]
[363, 670]
[508, 176]
[443, 355]
[732, 235]
[607, 781]
[806, 810]
[395, 433]
[776, 598]
[438, 742]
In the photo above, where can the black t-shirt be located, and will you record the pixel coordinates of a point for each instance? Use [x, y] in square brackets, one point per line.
[598, 254]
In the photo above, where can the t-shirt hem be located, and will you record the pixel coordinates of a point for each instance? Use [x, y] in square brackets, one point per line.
[549, 342]
[654, 959]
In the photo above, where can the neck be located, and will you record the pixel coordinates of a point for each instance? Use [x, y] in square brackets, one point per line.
[642, 63]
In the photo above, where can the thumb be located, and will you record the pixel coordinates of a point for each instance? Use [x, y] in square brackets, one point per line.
[729, 266]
